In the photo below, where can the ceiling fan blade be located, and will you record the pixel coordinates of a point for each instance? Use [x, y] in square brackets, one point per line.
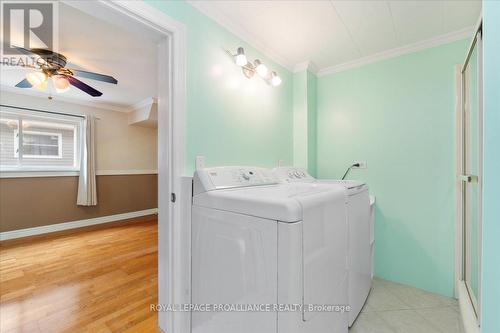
[25, 51]
[83, 86]
[40, 60]
[17, 65]
[94, 76]
[24, 84]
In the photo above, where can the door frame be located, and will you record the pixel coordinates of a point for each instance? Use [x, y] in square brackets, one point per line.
[171, 150]
[460, 285]
[171, 153]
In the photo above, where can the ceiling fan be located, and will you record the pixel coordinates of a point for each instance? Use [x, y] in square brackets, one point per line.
[50, 64]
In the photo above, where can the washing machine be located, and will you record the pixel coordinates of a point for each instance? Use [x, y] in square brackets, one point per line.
[360, 232]
[267, 257]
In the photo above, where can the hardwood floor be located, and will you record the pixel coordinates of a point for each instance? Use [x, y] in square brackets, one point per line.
[98, 280]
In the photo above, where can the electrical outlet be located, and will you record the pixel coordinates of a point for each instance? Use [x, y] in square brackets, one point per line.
[362, 165]
[200, 162]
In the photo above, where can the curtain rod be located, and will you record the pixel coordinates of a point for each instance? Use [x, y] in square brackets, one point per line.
[51, 112]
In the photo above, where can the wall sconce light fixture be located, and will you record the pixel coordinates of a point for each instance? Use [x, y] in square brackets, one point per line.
[250, 68]
[240, 58]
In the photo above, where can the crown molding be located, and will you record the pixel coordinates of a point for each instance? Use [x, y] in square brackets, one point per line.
[60, 98]
[399, 51]
[210, 11]
[145, 102]
[305, 66]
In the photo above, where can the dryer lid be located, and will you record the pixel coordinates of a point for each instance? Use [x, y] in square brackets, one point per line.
[274, 202]
[348, 184]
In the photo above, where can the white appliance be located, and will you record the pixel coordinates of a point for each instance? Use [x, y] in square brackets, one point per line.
[360, 230]
[258, 242]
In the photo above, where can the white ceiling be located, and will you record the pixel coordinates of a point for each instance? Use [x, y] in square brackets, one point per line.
[329, 34]
[332, 33]
[120, 49]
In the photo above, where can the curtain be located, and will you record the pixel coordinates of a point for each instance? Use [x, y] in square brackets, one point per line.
[87, 191]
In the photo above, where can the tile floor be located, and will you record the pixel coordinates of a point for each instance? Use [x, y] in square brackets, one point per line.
[396, 308]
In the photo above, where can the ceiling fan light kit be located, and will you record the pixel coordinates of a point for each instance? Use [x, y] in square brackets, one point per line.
[250, 68]
[61, 83]
[37, 79]
[52, 65]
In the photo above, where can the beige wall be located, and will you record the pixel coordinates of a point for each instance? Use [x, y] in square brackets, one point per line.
[119, 145]
[37, 201]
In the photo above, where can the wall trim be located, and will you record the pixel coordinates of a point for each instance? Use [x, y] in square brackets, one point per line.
[37, 174]
[305, 66]
[399, 51]
[74, 224]
[205, 8]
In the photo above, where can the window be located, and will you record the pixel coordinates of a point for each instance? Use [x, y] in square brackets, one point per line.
[38, 141]
[39, 144]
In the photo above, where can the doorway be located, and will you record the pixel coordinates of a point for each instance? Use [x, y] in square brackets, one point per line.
[171, 86]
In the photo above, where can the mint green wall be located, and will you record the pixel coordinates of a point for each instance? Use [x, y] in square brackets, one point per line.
[304, 121]
[399, 116]
[230, 119]
[490, 303]
[300, 143]
[312, 130]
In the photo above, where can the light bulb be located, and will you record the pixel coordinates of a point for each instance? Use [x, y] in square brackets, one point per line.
[276, 80]
[37, 79]
[42, 86]
[261, 68]
[241, 59]
[61, 83]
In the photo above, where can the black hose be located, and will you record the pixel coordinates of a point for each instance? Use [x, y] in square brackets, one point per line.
[349, 169]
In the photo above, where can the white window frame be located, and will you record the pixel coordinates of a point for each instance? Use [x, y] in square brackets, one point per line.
[21, 170]
[17, 140]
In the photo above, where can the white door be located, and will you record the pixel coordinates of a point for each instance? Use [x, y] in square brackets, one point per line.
[471, 171]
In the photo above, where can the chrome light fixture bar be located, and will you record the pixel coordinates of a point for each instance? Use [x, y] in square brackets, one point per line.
[249, 69]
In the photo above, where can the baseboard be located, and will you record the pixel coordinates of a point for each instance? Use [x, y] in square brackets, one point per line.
[74, 224]
[468, 317]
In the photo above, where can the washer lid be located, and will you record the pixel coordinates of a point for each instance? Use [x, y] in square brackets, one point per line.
[275, 202]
